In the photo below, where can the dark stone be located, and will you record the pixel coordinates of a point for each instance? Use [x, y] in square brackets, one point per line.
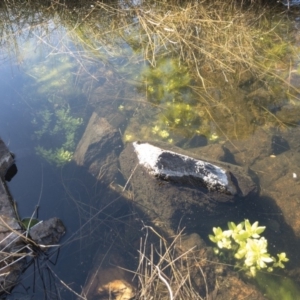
[279, 145]
[11, 241]
[197, 140]
[246, 81]
[166, 197]
[6, 161]
[11, 172]
[13, 247]
[99, 148]
[228, 156]
[48, 232]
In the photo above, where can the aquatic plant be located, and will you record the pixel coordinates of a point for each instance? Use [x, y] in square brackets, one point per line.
[61, 125]
[168, 88]
[244, 242]
[67, 125]
[51, 92]
[44, 118]
[27, 223]
[167, 81]
[58, 157]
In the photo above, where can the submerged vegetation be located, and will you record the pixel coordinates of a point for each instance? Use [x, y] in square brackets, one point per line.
[52, 90]
[208, 68]
[164, 70]
[61, 126]
[198, 67]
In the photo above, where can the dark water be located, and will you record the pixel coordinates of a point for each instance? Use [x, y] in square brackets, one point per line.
[42, 189]
[51, 78]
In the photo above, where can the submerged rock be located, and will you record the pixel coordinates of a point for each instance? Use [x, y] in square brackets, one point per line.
[168, 165]
[279, 145]
[197, 140]
[172, 187]
[8, 168]
[48, 232]
[12, 247]
[98, 149]
[109, 279]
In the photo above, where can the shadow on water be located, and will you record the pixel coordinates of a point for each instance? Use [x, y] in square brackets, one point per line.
[97, 221]
[259, 208]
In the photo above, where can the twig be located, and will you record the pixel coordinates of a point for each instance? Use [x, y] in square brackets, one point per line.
[130, 177]
[165, 282]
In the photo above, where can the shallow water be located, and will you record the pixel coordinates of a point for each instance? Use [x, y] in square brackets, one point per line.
[52, 76]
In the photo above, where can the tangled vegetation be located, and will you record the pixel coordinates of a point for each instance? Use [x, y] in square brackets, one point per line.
[211, 68]
[207, 68]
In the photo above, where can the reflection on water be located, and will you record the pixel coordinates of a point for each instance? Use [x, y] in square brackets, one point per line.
[56, 70]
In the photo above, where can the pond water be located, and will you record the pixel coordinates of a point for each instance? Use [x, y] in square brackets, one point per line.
[59, 64]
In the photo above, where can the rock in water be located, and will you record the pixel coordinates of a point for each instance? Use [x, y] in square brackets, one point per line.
[99, 148]
[12, 252]
[279, 145]
[48, 232]
[169, 185]
[168, 165]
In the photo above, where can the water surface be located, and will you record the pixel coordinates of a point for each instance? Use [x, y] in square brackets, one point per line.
[55, 71]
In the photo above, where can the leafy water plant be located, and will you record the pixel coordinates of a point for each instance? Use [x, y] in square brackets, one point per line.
[58, 157]
[167, 81]
[244, 243]
[62, 126]
[173, 104]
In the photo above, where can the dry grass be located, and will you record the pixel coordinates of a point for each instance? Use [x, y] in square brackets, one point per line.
[209, 36]
[223, 37]
[217, 41]
[203, 33]
[164, 272]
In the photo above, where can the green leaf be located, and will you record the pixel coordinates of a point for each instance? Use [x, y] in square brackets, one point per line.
[213, 238]
[282, 256]
[231, 226]
[29, 222]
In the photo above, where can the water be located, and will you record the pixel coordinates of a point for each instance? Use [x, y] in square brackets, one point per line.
[55, 71]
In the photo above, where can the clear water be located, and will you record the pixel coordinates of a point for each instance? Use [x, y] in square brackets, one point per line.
[52, 77]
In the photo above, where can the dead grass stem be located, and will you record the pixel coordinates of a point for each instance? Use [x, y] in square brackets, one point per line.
[160, 270]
